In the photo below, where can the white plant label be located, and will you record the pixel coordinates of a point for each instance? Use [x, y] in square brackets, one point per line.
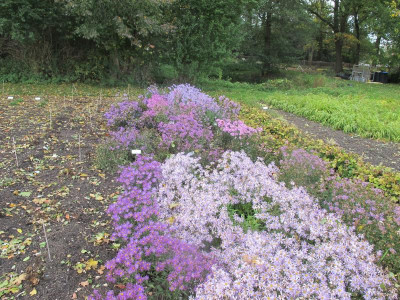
[265, 107]
[37, 98]
[137, 151]
[10, 98]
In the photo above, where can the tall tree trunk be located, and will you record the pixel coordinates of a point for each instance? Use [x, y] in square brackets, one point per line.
[339, 58]
[115, 65]
[311, 54]
[338, 26]
[378, 44]
[338, 37]
[267, 41]
[358, 47]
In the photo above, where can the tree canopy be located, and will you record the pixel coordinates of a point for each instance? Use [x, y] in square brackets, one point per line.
[156, 39]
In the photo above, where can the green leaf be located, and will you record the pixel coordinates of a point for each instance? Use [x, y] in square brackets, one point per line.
[25, 194]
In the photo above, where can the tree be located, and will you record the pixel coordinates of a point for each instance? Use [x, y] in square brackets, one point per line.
[123, 29]
[361, 10]
[276, 31]
[32, 32]
[336, 16]
[205, 31]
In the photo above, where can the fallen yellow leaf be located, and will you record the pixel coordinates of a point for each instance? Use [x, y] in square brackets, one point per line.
[33, 292]
[173, 205]
[91, 264]
[84, 283]
[20, 278]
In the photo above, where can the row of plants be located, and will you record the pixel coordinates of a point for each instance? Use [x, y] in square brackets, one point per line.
[347, 165]
[211, 209]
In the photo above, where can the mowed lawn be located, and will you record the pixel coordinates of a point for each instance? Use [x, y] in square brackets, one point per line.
[369, 110]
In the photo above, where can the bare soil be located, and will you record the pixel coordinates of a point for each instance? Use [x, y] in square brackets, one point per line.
[54, 188]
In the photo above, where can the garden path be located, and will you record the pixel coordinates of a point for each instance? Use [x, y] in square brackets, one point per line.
[373, 151]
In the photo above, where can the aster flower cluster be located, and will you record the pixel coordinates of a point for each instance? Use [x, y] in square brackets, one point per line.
[303, 251]
[182, 115]
[187, 94]
[357, 203]
[302, 168]
[123, 114]
[228, 227]
[149, 244]
[236, 128]
[186, 132]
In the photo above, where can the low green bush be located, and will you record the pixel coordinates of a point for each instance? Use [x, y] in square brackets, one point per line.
[108, 158]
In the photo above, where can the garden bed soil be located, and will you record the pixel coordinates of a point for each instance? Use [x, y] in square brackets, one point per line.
[53, 186]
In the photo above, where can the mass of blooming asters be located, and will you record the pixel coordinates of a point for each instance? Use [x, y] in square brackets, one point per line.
[187, 94]
[181, 114]
[236, 128]
[124, 136]
[357, 203]
[303, 252]
[187, 131]
[148, 242]
[302, 168]
[123, 114]
[176, 217]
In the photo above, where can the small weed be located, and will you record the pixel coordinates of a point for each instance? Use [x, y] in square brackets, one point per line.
[43, 103]
[16, 102]
[108, 159]
[4, 182]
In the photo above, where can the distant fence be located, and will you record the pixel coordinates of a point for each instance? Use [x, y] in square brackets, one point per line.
[319, 64]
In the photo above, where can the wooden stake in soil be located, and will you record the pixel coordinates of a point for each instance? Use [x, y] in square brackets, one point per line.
[47, 242]
[51, 125]
[79, 147]
[15, 151]
[90, 117]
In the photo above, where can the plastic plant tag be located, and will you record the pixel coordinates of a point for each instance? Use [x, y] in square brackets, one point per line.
[37, 98]
[137, 151]
[265, 107]
[10, 98]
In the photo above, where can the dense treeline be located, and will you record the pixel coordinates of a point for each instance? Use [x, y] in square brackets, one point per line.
[158, 40]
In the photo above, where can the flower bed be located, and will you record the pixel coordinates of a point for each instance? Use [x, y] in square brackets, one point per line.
[278, 134]
[204, 215]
